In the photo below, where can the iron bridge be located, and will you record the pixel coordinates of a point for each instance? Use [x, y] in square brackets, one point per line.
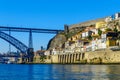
[18, 44]
[27, 50]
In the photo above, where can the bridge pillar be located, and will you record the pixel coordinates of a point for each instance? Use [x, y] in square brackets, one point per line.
[30, 39]
[30, 50]
[9, 43]
[30, 53]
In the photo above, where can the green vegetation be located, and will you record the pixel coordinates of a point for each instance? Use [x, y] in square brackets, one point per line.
[115, 29]
[108, 29]
[99, 32]
[70, 34]
[119, 35]
[89, 37]
[42, 58]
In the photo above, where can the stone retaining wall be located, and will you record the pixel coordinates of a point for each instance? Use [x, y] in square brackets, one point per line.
[105, 56]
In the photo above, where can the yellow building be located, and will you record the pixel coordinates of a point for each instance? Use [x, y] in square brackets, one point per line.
[100, 24]
[111, 38]
[110, 43]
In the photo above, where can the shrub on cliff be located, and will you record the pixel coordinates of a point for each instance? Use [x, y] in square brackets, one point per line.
[99, 32]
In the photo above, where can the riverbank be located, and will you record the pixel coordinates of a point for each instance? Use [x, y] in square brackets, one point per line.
[96, 57]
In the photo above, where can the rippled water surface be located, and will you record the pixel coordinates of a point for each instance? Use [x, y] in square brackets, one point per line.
[59, 72]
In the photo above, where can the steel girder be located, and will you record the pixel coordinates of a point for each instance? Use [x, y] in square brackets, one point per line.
[16, 43]
[33, 30]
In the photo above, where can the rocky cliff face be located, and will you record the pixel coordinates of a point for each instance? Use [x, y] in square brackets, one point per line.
[57, 41]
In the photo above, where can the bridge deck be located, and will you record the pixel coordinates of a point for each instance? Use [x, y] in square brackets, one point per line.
[34, 30]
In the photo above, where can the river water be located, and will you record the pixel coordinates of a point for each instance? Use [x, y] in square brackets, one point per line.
[59, 72]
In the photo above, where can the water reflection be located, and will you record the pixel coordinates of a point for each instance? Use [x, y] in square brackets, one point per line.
[59, 72]
[86, 72]
[113, 72]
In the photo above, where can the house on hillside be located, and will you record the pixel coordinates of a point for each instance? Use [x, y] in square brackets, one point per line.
[102, 25]
[117, 16]
[107, 40]
[110, 38]
[86, 34]
[103, 34]
[48, 52]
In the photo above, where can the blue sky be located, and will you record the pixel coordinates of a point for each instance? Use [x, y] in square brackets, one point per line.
[50, 14]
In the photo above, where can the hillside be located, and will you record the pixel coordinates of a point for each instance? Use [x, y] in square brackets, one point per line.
[87, 23]
[57, 41]
[60, 39]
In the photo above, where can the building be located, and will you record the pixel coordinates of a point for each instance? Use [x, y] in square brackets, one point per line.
[117, 16]
[108, 19]
[110, 38]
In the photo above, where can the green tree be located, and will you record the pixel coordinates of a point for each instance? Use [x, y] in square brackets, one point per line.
[115, 29]
[42, 58]
[89, 37]
[99, 32]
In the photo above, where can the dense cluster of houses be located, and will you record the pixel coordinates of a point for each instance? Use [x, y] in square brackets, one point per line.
[102, 35]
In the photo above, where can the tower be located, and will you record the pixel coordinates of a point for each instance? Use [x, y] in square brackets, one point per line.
[66, 28]
[30, 50]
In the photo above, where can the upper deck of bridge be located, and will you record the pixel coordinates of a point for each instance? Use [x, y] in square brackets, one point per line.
[34, 30]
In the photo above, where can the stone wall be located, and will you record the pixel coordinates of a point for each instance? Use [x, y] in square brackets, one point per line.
[87, 23]
[68, 58]
[104, 56]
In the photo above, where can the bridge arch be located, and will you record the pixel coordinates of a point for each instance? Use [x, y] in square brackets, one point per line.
[16, 43]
